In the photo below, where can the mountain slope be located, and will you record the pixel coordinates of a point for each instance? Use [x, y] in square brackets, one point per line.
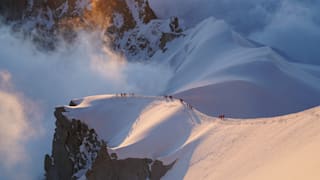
[214, 67]
[217, 69]
[218, 72]
[201, 146]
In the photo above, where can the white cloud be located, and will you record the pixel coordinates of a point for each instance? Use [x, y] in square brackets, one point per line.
[295, 30]
[244, 15]
[19, 124]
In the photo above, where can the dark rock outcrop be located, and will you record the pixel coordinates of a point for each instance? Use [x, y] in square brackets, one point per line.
[132, 168]
[67, 157]
[13, 9]
[77, 151]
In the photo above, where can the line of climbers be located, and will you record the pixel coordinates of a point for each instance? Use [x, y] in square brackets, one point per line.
[222, 116]
[181, 100]
[125, 94]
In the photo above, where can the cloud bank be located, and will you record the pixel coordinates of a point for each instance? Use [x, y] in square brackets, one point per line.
[19, 122]
[295, 29]
[289, 25]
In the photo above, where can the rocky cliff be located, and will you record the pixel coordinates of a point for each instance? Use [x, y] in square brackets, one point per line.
[130, 26]
[77, 152]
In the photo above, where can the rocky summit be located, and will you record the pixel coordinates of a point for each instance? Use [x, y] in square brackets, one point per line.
[77, 152]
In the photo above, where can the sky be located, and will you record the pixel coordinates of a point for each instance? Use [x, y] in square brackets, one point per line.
[32, 83]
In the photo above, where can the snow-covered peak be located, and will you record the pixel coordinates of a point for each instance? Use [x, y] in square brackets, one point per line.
[219, 71]
[171, 130]
[216, 72]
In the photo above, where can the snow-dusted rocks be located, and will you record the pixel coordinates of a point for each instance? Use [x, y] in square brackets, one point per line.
[130, 26]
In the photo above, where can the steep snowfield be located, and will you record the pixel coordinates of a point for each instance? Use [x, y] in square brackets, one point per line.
[205, 147]
[220, 72]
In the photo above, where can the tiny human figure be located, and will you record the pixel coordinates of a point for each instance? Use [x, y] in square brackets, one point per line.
[222, 116]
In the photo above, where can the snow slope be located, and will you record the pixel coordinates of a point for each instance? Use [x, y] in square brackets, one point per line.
[217, 71]
[220, 72]
[205, 147]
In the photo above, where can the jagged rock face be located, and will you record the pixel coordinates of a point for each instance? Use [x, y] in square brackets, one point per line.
[74, 146]
[131, 26]
[77, 151]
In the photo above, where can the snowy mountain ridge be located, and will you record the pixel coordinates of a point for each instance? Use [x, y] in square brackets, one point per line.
[176, 134]
[88, 47]
[171, 130]
[216, 68]
[216, 71]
